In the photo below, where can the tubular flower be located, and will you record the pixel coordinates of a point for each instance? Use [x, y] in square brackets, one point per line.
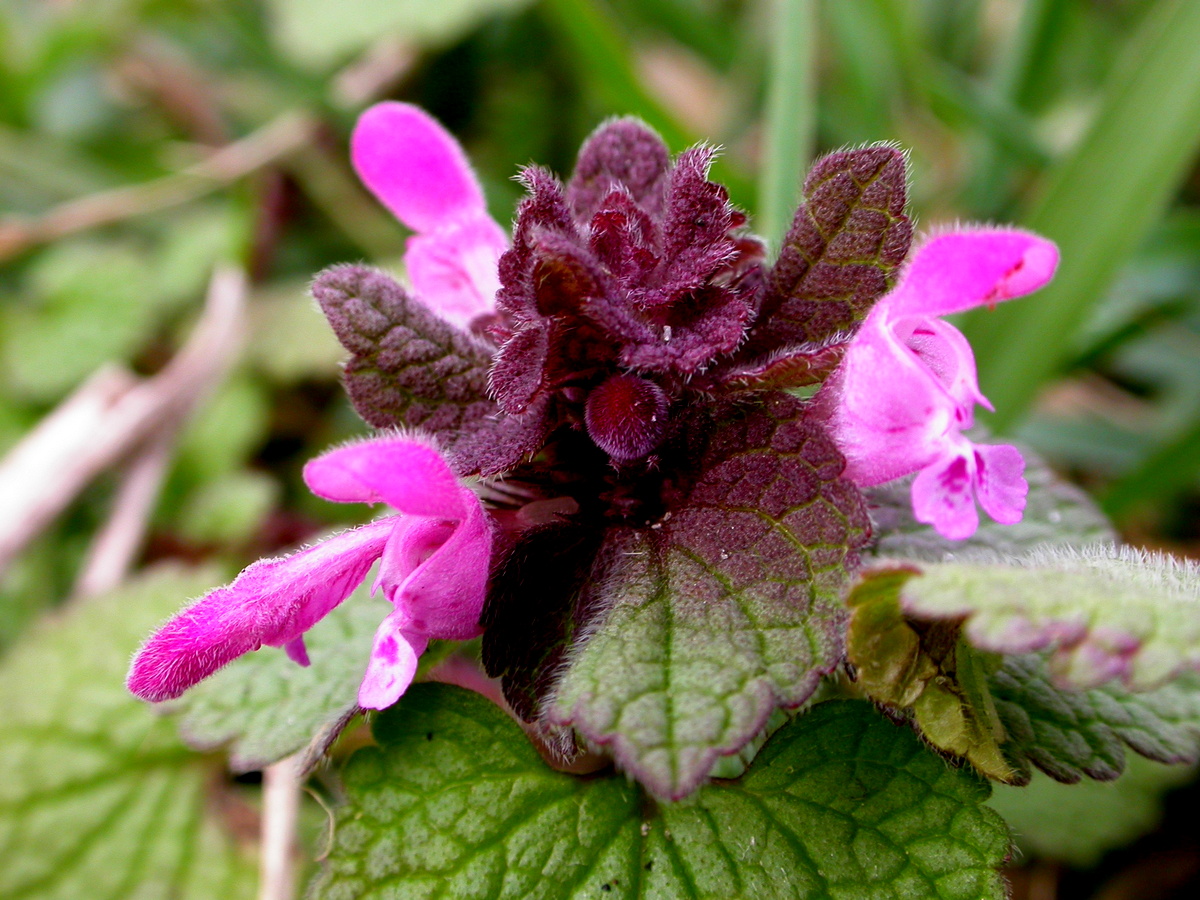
[906, 389]
[433, 569]
[419, 172]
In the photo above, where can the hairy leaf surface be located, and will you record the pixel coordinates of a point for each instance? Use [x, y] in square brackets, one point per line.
[408, 367]
[849, 236]
[840, 803]
[724, 610]
[1010, 712]
[98, 796]
[1070, 734]
[1102, 612]
[924, 671]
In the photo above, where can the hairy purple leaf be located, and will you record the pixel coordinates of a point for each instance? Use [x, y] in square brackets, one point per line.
[846, 241]
[502, 442]
[784, 370]
[621, 154]
[537, 605]
[408, 367]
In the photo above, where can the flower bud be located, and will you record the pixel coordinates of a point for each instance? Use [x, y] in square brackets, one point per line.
[626, 416]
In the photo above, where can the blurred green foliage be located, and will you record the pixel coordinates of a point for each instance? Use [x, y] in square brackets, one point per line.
[1013, 110]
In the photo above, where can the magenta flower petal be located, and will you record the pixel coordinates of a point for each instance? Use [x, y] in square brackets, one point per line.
[444, 594]
[297, 651]
[274, 601]
[414, 540]
[419, 171]
[414, 166]
[945, 351]
[393, 662]
[455, 270]
[409, 475]
[942, 496]
[960, 270]
[891, 415]
[1000, 482]
[906, 388]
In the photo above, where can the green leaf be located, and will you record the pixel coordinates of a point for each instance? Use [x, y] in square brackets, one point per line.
[1154, 93]
[92, 304]
[726, 609]
[1103, 612]
[98, 798]
[266, 707]
[317, 35]
[1070, 734]
[1057, 513]
[840, 803]
[845, 243]
[1077, 823]
[923, 671]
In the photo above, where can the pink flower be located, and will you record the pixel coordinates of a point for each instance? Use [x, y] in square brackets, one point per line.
[434, 567]
[906, 390]
[419, 172]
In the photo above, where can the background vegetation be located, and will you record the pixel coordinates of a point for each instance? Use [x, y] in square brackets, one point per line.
[145, 142]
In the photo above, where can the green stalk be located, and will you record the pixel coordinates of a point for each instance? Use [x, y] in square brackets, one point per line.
[791, 112]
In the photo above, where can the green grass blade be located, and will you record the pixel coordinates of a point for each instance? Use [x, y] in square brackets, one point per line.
[788, 135]
[1022, 70]
[1098, 204]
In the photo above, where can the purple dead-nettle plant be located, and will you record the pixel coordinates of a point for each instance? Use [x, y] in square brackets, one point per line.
[668, 525]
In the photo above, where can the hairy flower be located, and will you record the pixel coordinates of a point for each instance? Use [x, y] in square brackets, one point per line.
[419, 172]
[906, 389]
[433, 569]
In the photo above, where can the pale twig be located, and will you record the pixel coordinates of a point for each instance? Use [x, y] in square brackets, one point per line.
[371, 75]
[281, 807]
[113, 549]
[268, 144]
[111, 416]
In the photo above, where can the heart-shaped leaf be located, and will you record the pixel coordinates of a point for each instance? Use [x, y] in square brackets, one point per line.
[98, 796]
[840, 803]
[726, 609]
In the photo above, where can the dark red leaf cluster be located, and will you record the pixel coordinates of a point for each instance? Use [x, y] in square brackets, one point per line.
[632, 381]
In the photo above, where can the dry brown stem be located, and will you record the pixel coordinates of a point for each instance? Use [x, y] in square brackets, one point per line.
[112, 415]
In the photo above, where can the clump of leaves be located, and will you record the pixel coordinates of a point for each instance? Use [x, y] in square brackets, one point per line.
[678, 556]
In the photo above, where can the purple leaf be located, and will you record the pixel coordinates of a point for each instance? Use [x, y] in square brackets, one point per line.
[408, 367]
[621, 154]
[848, 238]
